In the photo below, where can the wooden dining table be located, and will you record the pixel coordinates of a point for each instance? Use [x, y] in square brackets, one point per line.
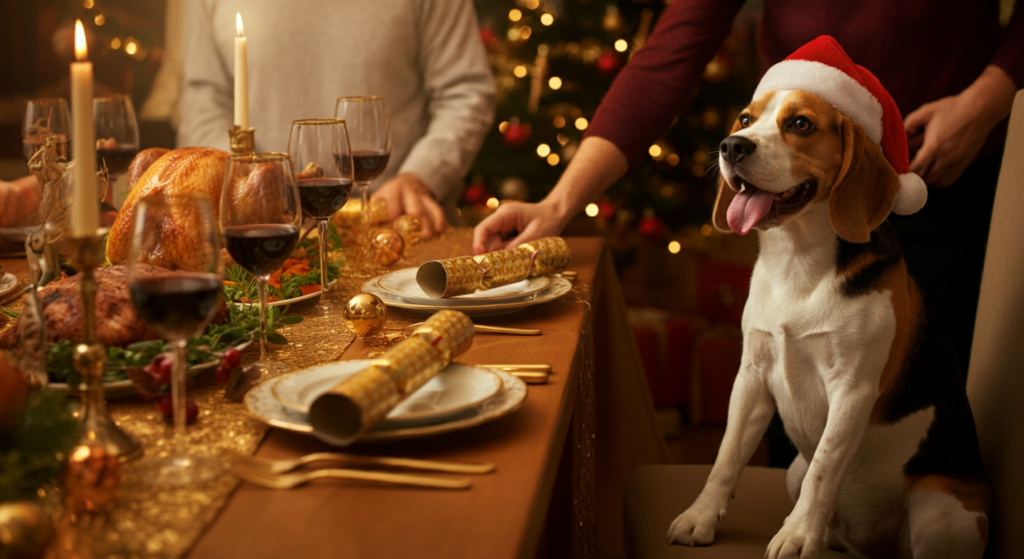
[561, 459]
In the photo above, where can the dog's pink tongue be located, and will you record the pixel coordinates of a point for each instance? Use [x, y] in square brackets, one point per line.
[747, 208]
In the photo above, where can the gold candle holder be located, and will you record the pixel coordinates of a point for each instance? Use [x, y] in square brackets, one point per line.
[87, 254]
[243, 140]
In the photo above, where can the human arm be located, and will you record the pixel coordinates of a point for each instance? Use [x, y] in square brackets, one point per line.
[207, 101]
[18, 200]
[460, 87]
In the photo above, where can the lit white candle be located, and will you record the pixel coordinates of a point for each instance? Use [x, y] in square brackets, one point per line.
[241, 76]
[85, 212]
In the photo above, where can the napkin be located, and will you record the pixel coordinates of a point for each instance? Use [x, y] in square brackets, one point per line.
[362, 400]
[467, 274]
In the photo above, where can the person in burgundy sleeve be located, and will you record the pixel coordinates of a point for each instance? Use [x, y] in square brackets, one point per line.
[950, 66]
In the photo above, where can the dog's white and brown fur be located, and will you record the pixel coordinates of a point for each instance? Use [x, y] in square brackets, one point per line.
[836, 338]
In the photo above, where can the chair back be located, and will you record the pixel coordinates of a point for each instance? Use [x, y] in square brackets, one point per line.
[995, 382]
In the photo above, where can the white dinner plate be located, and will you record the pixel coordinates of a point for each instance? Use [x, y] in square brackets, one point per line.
[558, 288]
[457, 388]
[403, 283]
[125, 387]
[261, 403]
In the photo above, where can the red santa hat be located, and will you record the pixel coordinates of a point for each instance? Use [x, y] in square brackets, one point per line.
[823, 68]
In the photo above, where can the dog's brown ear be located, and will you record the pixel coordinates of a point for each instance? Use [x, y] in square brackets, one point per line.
[722, 201]
[865, 187]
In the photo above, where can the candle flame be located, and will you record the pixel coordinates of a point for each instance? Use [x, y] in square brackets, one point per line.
[81, 51]
[238, 24]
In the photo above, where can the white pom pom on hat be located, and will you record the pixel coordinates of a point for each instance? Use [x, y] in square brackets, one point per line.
[823, 68]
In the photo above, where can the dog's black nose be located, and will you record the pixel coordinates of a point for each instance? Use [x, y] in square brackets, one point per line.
[735, 148]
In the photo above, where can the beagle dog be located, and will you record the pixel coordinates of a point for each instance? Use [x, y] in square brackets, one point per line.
[837, 339]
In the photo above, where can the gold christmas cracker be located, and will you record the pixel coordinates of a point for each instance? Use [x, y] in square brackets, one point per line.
[503, 267]
[549, 255]
[358, 403]
[450, 277]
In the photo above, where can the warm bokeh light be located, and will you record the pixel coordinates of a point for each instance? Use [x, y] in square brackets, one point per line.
[553, 159]
[515, 15]
[493, 203]
[592, 210]
[706, 230]
[698, 171]
[621, 45]
[562, 139]
[543, 150]
[559, 121]
[674, 247]
[555, 82]
[513, 34]
[503, 126]
[131, 47]
[81, 51]
[525, 32]
[581, 123]
[655, 151]
[673, 159]
[547, 19]
[99, 20]
[533, 4]
[238, 25]
[520, 71]
[115, 43]
[88, 4]
[667, 191]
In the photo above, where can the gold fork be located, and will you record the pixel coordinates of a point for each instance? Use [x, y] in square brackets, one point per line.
[288, 481]
[495, 329]
[287, 465]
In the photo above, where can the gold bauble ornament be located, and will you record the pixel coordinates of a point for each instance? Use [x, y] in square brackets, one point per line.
[91, 478]
[387, 246]
[25, 531]
[365, 314]
[410, 228]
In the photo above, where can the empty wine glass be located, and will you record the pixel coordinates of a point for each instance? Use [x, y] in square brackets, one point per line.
[260, 218]
[176, 305]
[320, 148]
[117, 141]
[369, 132]
[44, 117]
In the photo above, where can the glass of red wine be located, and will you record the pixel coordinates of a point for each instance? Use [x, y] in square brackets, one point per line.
[117, 141]
[367, 121]
[260, 217]
[44, 117]
[320, 150]
[176, 305]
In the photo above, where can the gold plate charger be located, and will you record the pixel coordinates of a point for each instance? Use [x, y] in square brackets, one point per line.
[557, 288]
[262, 405]
[403, 283]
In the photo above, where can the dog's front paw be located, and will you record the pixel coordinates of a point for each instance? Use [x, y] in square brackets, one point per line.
[793, 543]
[696, 526]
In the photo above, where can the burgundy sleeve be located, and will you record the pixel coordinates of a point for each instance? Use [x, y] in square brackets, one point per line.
[1010, 55]
[652, 89]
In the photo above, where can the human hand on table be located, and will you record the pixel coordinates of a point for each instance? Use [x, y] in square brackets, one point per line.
[955, 127]
[405, 193]
[530, 221]
[18, 200]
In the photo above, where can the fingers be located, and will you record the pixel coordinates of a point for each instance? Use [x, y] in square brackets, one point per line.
[487, 235]
[925, 157]
[436, 214]
[919, 118]
[412, 205]
[392, 197]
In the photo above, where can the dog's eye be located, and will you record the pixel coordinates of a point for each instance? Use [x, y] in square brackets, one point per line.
[801, 124]
[744, 121]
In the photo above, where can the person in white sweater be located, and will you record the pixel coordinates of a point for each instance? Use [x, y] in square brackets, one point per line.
[424, 57]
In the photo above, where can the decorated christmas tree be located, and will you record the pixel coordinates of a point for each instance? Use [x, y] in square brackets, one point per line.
[553, 61]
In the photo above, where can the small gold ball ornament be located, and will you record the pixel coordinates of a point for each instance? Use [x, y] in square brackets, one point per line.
[387, 246]
[25, 531]
[410, 228]
[91, 478]
[365, 314]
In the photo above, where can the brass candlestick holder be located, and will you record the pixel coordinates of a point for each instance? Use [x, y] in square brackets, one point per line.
[243, 140]
[87, 254]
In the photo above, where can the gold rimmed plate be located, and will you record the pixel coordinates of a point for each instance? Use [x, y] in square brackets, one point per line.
[557, 288]
[456, 389]
[403, 283]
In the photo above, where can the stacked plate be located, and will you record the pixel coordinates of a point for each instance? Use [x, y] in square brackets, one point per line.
[399, 289]
[459, 397]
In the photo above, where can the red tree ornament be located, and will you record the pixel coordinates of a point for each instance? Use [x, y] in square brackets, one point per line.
[488, 37]
[605, 209]
[651, 228]
[476, 194]
[517, 135]
[609, 63]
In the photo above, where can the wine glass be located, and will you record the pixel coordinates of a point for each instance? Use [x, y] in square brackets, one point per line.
[367, 121]
[117, 141]
[176, 305]
[320, 148]
[43, 117]
[260, 218]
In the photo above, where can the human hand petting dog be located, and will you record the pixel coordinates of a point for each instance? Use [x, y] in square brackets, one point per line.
[405, 193]
[956, 127]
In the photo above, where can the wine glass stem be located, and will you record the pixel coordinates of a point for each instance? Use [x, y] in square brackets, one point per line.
[261, 287]
[322, 228]
[364, 196]
[178, 399]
